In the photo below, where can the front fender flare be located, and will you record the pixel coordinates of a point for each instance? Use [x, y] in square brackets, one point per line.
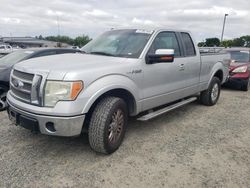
[108, 83]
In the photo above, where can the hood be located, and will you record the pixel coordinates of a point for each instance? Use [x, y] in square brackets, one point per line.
[68, 62]
[57, 66]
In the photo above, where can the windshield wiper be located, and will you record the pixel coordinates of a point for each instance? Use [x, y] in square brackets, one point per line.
[102, 53]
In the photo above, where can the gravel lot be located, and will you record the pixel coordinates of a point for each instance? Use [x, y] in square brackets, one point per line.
[194, 146]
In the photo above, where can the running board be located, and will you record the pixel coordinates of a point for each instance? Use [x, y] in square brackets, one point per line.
[157, 113]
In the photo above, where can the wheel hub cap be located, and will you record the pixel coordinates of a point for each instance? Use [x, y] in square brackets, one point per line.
[116, 126]
[215, 92]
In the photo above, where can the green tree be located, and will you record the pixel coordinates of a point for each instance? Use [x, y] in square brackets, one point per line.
[61, 39]
[211, 42]
[238, 42]
[78, 41]
[201, 44]
[81, 40]
[246, 40]
[40, 37]
[227, 43]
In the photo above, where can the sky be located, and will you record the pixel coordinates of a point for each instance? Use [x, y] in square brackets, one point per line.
[204, 18]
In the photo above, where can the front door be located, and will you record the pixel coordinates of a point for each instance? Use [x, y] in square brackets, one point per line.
[165, 82]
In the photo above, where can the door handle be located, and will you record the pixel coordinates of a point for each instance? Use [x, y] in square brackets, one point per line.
[182, 67]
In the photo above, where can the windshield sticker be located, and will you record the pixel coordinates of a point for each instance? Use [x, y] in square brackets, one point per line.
[29, 52]
[144, 31]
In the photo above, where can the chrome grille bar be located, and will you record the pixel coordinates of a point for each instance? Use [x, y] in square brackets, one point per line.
[26, 87]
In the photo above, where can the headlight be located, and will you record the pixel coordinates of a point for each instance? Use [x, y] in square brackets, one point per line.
[61, 91]
[240, 69]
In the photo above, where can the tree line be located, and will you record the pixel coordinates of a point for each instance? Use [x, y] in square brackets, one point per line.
[243, 41]
[78, 41]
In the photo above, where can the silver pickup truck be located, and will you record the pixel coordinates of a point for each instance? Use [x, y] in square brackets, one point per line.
[122, 73]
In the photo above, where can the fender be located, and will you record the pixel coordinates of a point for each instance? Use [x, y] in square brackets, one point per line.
[217, 67]
[108, 83]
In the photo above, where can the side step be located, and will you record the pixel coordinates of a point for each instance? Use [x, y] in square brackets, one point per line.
[157, 113]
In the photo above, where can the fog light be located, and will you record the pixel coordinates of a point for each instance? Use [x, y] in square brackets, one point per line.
[50, 126]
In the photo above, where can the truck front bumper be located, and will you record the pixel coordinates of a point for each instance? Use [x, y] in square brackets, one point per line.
[49, 125]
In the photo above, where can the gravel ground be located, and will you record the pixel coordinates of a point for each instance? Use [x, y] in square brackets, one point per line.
[194, 146]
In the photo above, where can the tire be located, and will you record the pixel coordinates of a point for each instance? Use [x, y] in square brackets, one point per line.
[108, 125]
[210, 96]
[246, 86]
[3, 94]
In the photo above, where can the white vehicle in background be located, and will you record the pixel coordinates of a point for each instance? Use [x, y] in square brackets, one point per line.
[5, 49]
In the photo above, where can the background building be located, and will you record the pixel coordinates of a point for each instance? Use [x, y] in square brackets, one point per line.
[30, 42]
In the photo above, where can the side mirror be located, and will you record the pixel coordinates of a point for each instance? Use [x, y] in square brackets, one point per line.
[161, 56]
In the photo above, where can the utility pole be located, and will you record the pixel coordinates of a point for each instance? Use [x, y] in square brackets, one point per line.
[223, 29]
[58, 26]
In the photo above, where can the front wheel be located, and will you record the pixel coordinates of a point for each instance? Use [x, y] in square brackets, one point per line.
[107, 125]
[3, 93]
[210, 96]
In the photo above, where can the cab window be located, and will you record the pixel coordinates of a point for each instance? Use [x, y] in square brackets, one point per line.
[188, 44]
[166, 40]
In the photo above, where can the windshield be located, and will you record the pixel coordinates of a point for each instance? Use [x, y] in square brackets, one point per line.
[14, 57]
[240, 56]
[119, 43]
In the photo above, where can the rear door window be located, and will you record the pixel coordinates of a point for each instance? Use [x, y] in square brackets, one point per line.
[188, 44]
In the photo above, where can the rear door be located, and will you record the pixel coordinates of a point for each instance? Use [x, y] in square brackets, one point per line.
[191, 64]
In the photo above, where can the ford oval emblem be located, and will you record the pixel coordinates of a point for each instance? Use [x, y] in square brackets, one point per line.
[17, 83]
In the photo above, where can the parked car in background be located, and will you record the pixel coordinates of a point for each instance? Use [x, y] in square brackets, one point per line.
[239, 73]
[8, 61]
[5, 49]
[127, 72]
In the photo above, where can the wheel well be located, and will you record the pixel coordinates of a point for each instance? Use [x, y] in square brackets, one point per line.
[219, 74]
[121, 93]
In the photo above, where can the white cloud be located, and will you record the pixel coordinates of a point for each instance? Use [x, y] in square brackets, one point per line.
[8, 20]
[54, 13]
[142, 22]
[213, 11]
[99, 14]
[76, 17]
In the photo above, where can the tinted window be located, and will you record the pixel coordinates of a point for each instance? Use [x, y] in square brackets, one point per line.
[188, 44]
[166, 40]
[240, 56]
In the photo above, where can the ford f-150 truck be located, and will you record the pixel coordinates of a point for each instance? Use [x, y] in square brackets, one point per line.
[122, 73]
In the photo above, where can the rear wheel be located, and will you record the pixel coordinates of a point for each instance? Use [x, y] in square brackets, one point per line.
[107, 125]
[246, 86]
[3, 93]
[212, 94]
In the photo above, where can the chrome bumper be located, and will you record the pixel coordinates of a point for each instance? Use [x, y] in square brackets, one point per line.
[62, 126]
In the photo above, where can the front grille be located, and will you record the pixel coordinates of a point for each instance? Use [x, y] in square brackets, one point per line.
[25, 86]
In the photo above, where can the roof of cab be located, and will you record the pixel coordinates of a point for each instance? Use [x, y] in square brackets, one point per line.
[152, 29]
